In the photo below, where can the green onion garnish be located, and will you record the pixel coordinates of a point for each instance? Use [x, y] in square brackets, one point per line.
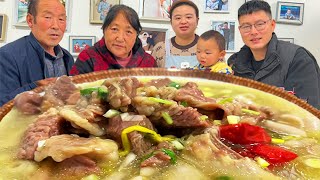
[167, 118]
[251, 112]
[173, 157]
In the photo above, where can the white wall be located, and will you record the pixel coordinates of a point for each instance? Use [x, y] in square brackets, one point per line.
[304, 35]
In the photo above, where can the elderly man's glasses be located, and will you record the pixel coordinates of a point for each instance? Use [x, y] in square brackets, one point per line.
[259, 26]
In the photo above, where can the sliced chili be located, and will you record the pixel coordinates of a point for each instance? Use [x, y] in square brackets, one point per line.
[244, 133]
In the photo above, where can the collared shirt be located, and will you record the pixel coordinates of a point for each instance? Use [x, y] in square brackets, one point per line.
[55, 64]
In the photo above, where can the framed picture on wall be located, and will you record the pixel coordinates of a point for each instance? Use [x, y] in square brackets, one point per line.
[3, 25]
[219, 6]
[155, 10]
[290, 40]
[99, 9]
[67, 5]
[290, 13]
[20, 12]
[227, 29]
[79, 43]
[152, 36]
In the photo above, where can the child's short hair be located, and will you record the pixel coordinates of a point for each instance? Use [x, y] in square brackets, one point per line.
[215, 35]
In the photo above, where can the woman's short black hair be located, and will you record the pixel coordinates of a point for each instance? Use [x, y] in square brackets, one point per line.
[181, 3]
[130, 14]
[254, 6]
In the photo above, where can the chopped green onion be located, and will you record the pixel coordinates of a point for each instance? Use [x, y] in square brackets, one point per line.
[158, 100]
[184, 104]
[175, 85]
[277, 141]
[88, 91]
[233, 119]
[263, 163]
[90, 177]
[167, 118]
[251, 112]
[225, 100]
[313, 162]
[217, 122]
[223, 178]
[111, 113]
[203, 118]
[286, 138]
[173, 157]
[145, 157]
[103, 92]
[178, 145]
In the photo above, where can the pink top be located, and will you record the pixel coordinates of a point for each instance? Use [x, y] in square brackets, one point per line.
[124, 61]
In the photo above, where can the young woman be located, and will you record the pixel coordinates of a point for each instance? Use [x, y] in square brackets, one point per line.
[180, 52]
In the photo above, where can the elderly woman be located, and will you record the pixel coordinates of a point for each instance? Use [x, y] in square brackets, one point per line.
[119, 48]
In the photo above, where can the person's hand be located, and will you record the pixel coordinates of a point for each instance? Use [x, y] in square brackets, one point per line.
[45, 82]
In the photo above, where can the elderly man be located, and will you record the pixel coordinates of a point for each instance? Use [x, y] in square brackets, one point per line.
[37, 56]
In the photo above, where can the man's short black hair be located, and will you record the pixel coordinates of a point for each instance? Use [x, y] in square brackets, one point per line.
[254, 6]
[33, 5]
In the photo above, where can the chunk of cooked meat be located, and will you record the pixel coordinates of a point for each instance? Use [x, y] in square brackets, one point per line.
[78, 166]
[47, 125]
[58, 94]
[73, 117]
[28, 102]
[121, 91]
[139, 144]
[64, 146]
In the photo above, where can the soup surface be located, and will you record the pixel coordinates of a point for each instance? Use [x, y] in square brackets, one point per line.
[199, 150]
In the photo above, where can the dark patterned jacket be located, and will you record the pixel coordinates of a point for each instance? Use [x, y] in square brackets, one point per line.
[98, 58]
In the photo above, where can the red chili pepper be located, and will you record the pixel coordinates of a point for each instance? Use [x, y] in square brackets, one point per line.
[272, 154]
[244, 133]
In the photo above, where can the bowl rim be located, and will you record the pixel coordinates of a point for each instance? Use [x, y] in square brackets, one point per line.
[126, 72]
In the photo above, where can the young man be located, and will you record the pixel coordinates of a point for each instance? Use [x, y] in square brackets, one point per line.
[266, 59]
[37, 56]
